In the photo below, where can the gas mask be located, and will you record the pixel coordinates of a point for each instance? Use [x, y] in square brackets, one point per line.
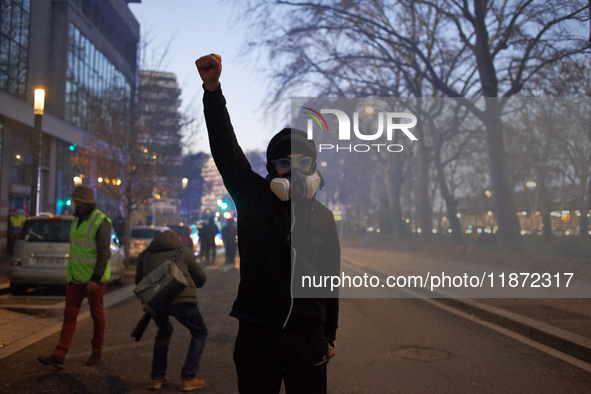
[296, 185]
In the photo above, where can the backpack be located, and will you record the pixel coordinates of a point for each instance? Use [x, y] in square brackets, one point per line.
[160, 286]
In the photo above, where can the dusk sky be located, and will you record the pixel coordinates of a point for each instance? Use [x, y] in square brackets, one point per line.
[195, 28]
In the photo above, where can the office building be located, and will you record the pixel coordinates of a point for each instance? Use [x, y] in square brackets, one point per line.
[83, 53]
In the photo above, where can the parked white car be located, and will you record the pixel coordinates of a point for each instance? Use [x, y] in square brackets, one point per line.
[41, 254]
[141, 236]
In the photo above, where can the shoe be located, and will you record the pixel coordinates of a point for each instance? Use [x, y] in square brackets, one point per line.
[157, 383]
[54, 361]
[192, 384]
[94, 359]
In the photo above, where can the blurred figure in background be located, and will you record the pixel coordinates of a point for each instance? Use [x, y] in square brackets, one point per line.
[229, 232]
[207, 237]
[14, 226]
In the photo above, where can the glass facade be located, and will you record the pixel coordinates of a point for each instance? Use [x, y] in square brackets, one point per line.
[65, 172]
[14, 45]
[95, 89]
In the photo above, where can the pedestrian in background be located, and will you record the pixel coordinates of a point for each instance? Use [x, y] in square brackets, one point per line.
[229, 232]
[207, 236]
[14, 226]
[88, 272]
[280, 338]
[183, 308]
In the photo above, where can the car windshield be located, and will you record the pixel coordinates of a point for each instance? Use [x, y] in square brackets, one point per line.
[144, 233]
[46, 230]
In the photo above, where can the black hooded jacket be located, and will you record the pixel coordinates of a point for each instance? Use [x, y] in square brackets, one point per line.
[265, 237]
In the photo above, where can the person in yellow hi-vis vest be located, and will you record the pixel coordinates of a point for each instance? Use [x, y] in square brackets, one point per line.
[87, 275]
[14, 226]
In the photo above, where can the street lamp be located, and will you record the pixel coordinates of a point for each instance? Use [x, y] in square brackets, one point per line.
[38, 107]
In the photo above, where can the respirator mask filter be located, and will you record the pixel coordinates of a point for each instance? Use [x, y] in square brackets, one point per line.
[296, 185]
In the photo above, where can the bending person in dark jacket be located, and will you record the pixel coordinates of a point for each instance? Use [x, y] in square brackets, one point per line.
[283, 232]
[183, 308]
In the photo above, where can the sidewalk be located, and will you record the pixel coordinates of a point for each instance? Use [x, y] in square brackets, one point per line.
[26, 320]
[22, 326]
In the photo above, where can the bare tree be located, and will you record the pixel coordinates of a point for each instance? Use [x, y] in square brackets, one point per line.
[351, 47]
[121, 168]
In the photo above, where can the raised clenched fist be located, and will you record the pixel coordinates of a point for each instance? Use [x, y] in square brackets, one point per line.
[210, 68]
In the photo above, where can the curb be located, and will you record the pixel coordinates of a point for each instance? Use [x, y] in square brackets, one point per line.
[565, 341]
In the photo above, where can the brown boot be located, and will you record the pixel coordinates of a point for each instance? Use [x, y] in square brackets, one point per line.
[192, 384]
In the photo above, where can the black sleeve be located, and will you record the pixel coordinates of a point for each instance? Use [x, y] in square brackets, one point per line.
[103, 248]
[197, 274]
[227, 154]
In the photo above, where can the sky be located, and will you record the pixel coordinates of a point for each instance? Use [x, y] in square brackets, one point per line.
[199, 27]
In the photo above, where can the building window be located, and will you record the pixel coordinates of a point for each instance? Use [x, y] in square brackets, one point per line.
[14, 45]
[96, 92]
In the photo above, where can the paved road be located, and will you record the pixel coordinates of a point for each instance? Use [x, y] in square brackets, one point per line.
[385, 345]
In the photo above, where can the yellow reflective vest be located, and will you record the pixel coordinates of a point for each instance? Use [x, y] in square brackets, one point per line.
[83, 252]
[17, 222]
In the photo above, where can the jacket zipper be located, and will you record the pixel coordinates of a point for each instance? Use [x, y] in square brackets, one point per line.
[293, 262]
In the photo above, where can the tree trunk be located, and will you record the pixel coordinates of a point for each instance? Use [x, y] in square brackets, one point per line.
[457, 234]
[508, 228]
[393, 176]
[127, 232]
[423, 205]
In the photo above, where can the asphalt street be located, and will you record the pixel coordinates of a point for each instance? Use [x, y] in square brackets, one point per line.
[398, 345]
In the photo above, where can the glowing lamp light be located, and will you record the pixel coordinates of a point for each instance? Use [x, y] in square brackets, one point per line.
[39, 103]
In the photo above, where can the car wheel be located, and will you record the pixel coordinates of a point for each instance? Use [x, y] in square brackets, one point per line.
[18, 289]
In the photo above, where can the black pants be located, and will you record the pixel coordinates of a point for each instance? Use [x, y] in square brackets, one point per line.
[265, 356]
